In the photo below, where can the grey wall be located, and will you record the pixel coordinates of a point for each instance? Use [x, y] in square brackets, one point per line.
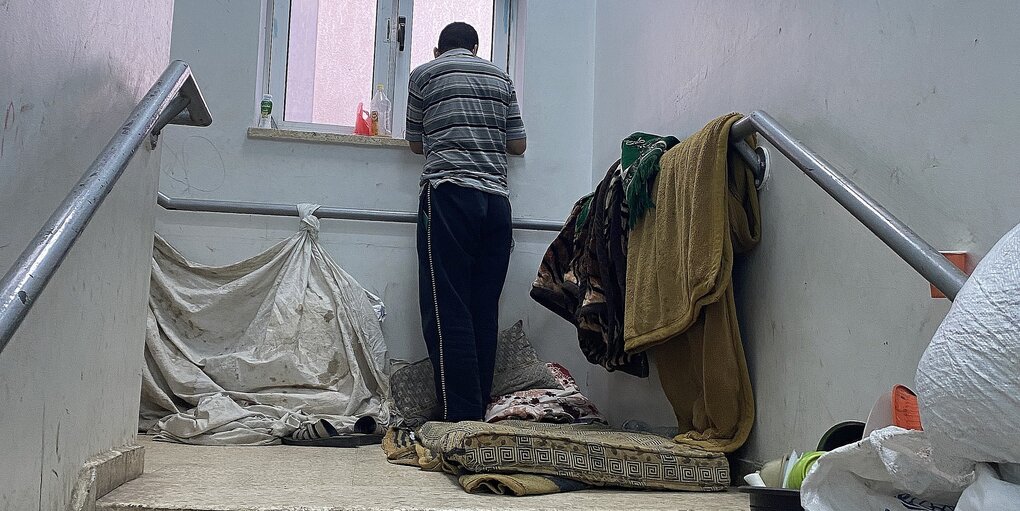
[915, 100]
[911, 100]
[221, 41]
[69, 379]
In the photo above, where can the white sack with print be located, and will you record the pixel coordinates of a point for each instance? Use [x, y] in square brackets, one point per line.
[891, 469]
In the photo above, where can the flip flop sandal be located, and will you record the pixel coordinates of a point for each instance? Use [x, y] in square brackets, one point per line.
[322, 434]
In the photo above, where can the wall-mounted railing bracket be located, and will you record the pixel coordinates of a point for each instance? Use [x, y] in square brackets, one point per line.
[188, 108]
[176, 107]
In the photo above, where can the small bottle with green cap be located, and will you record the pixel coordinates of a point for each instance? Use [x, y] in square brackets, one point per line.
[265, 111]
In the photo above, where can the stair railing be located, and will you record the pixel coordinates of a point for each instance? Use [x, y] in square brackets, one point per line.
[173, 99]
[932, 265]
[918, 253]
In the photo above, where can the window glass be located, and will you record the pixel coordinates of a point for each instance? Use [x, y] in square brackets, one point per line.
[431, 16]
[328, 55]
[330, 60]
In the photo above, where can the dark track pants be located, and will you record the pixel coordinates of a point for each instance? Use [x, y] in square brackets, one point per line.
[464, 243]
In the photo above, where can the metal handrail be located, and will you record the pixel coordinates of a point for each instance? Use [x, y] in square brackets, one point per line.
[369, 215]
[920, 255]
[174, 98]
[901, 239]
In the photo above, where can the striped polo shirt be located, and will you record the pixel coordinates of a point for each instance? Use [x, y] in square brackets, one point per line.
[463, 109]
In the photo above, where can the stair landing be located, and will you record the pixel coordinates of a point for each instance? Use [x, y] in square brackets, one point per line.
[283, 478]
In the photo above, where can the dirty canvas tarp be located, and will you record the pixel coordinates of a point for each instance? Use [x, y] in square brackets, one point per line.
[245, 353]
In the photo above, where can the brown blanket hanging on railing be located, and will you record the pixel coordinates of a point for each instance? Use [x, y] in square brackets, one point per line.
[679, 293]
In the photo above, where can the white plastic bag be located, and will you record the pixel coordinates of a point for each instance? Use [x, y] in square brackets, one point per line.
[968, 388]
[891, 469]
[968, 381]
[992, 490]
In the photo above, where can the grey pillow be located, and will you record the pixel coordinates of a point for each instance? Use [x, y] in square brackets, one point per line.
[517, 368]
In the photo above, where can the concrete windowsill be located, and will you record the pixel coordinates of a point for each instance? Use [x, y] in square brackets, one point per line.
[326, 137]
[321, 137]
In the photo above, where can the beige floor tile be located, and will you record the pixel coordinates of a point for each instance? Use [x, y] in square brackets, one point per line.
[282, 478]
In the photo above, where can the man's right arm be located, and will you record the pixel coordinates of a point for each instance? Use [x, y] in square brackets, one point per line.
[516, 138]
[413, 132]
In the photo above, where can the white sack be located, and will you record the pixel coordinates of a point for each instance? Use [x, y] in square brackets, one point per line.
[890, 469]
[244, 353]
[968, 381]
[992, 490]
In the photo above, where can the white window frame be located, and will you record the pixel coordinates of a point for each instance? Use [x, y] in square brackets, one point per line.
[391, 67]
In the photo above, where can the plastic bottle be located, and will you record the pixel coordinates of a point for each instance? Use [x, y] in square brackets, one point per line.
[265, 110]
[382, 113]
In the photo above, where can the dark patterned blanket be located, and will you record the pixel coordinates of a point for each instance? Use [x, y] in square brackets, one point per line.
[583, 273]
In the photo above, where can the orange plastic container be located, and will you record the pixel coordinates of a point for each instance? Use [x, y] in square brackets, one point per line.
[905, 414]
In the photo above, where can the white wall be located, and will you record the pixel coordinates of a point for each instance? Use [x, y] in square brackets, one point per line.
[915, 100]
[221, 41]
[70, 377]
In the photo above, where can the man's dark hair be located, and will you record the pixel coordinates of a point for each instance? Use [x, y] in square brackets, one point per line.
[457, 35]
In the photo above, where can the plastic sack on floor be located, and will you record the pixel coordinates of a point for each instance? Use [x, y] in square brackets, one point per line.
[891, 469]
[968, 381]
[245, 353]
[996, 487]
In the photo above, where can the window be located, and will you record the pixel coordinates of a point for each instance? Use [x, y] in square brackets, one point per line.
[326, 56]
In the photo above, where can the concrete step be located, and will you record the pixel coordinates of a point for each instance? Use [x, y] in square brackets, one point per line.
[282, 478]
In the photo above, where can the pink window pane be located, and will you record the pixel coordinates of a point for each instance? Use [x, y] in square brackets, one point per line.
[330, 60]
[431, 16]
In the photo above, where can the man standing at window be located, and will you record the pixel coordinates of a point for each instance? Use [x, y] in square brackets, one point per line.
[462, 114]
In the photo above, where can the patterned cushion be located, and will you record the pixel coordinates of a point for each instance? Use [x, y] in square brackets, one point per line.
[588, 453]
[517, 368]
[414, 392]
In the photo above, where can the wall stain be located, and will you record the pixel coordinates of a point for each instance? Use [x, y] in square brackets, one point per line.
[895, 174]
[42, 454]
[9, 119]
[179, 161]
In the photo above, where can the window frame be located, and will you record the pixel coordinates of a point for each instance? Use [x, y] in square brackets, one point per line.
[391, 66]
